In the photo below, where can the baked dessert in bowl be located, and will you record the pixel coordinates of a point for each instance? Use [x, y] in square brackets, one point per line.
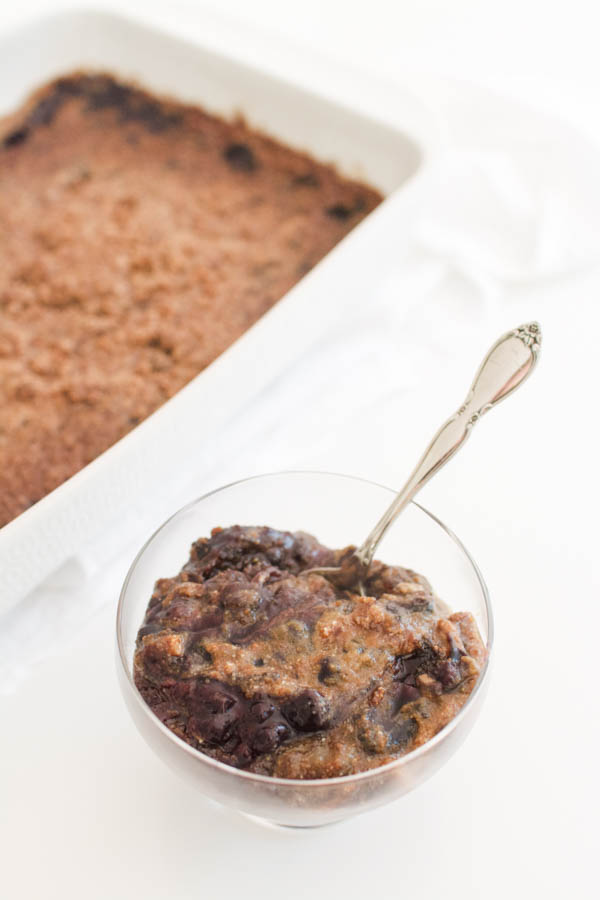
[280, 694]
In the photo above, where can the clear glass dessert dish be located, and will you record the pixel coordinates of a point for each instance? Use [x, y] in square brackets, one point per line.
[338, 510]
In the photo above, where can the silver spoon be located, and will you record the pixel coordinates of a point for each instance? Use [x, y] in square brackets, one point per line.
[509, 362]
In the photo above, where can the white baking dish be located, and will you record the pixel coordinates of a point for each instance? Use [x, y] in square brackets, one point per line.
[120, 484]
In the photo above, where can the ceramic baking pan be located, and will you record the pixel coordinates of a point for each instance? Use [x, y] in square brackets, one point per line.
[389, 152]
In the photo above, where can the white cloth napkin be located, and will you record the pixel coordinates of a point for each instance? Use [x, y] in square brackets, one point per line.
[503, 211]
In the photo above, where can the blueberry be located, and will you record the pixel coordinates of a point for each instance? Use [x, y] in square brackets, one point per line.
[13, 138]
[216, 712]
[240, 157]
[269, 737]
[421, 660]
[261, 709]
[215, 729]
[339, 211]
[308, 711]
[212, 698]
[406, 665]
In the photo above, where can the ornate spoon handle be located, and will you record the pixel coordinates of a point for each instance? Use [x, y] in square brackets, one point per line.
[509, 362]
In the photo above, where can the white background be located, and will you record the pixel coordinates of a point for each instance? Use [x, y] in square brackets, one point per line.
[89, 812]
[545, 52]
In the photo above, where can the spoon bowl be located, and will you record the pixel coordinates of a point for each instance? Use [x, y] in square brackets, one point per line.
[333, 508]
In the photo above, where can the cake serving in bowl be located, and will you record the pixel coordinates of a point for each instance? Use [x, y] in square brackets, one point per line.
[298, 696]
[258, 662]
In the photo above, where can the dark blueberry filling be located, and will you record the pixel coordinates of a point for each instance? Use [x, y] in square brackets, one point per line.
[99, 92]
[339, 211]
[266, 682]
[16, 137]
[221, 716]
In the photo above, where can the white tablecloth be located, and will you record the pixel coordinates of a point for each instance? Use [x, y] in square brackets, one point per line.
[508, 230]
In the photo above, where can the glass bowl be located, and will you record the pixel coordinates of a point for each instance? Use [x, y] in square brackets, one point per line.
[338, 510]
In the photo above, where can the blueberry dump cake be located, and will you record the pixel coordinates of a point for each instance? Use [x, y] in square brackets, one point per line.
[260, 664]
[140, 238]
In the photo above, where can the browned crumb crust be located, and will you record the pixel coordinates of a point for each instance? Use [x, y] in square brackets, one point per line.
[266, 668]
[140, 237]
